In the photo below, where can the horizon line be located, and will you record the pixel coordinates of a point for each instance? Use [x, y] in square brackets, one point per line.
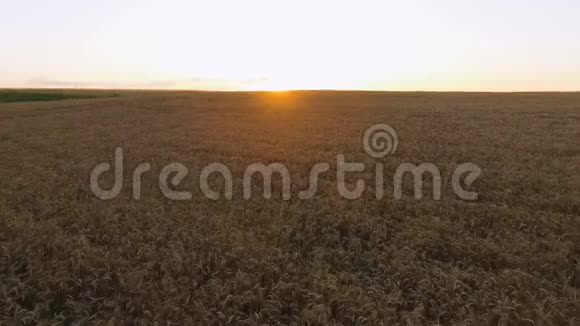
[281, 90]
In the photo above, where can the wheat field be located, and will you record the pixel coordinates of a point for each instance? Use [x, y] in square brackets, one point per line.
[511, 257]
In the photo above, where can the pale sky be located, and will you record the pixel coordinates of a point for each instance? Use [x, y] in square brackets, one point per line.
[493, 45]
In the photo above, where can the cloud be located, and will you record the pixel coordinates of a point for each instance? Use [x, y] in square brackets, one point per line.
[199, 83]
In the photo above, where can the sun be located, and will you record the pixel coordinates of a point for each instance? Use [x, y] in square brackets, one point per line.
[271, 85]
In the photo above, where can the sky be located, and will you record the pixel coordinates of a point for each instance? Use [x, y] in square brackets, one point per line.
[445, 45]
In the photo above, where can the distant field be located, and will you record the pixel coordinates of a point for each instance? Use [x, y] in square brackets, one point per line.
[47, 95]
[511, 257]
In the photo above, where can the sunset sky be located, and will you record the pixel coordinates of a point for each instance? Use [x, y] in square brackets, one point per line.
[299, 44]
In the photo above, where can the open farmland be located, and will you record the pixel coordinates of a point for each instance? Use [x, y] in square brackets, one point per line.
[31, 95]
[510, 257]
